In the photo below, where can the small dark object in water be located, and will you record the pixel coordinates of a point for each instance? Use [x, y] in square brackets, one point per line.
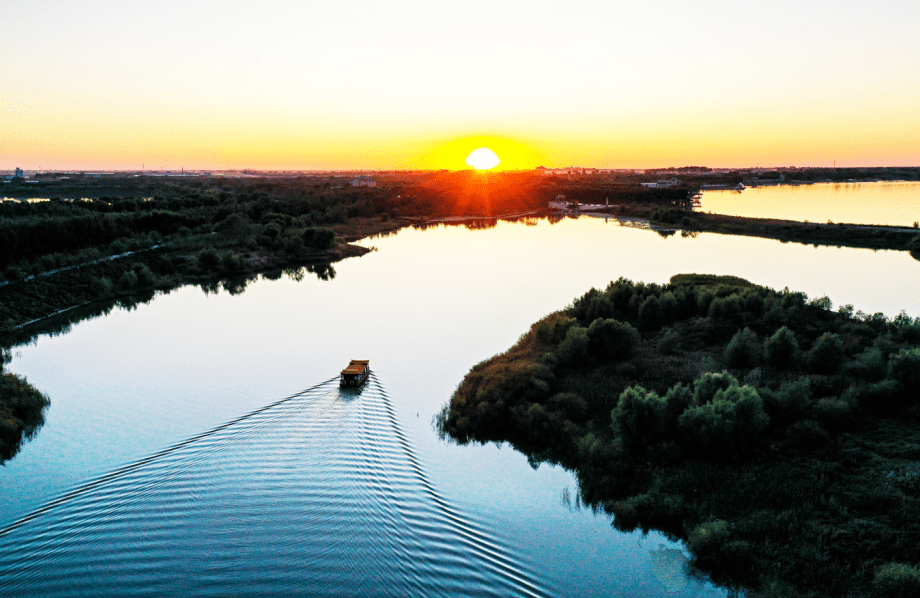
[356, 373]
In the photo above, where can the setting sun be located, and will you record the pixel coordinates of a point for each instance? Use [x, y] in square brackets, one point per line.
[483, 158]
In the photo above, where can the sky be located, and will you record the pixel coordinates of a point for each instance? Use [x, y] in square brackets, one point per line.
[418, 84]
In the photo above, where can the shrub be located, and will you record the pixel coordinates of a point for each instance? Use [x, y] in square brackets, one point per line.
[897, 580]
[706, 386]
[572, 405]
[612, 339]
[781, 349]
[638, 417]
[573, 350]
[552, 329]
[834, 414]
[708, 537]
[104, 286]
[145, 278]
[230, 262]
[733, 420]
[904, 368]
[807, 435]
[208, 257]
[650, 314]
[791, 401]
[669, 343]
[744, 350]
[669, 307]
[128, 281]
[870, 364]
[708, 428]
[826, 354]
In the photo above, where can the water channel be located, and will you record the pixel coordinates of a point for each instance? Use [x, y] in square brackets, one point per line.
[895, 203]
[152, 475]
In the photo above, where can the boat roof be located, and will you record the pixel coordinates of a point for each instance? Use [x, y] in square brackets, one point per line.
[356, 366]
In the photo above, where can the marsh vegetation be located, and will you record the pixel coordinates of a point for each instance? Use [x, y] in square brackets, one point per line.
[777, 437]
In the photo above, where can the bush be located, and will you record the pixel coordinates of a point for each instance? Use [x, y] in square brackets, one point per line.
[128, 281]
[708, 537]
[669, 307]
[826, 354]
[904, 368]
[145, 278]
[612, 339]
[732, 421]
[706, 386]
[650, 314]
[638, 417]
[744, 351]
[669, 343]
[897, 580]
[573, 350]
[208, 257]
[104, 286]
[870, 364]
[781, 349]
[230, 262]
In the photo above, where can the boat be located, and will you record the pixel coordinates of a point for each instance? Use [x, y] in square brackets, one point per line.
[355, 374]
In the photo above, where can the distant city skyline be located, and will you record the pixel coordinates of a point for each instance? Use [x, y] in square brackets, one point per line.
[412, 85]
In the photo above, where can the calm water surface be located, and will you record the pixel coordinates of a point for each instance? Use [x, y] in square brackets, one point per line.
[331, 493]
[895, 203]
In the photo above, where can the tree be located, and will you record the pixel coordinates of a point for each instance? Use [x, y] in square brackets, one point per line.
[904, 368]
[826, 354]
[573, 350]
[744, 350]
[650, 315]
[706, 386]
[781, 349]
[612, 339]
[638, 417]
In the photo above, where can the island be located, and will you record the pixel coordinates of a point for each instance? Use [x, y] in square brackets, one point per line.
[22, 410]
[778, 438]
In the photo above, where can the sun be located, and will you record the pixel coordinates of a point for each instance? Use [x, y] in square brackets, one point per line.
[482, 158]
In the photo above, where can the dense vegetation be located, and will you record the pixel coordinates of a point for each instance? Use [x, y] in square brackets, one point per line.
[157, 234]
[839, 234]
[22, 411]
[778, 438]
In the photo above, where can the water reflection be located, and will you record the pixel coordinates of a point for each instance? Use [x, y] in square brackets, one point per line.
[424, 308]
[892, 203]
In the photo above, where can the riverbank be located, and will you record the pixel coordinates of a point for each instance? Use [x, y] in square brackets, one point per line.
[777, 438]
[898, 238]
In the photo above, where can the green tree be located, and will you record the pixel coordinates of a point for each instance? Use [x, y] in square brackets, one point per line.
[573, 350]
[611, 339]
[904, 368]
[826, 354]
[744, 350]
[781, 349]
[638, 418]
[650, 314]
[706, 386]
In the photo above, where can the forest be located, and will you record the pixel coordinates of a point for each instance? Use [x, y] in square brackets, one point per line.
[777, 437]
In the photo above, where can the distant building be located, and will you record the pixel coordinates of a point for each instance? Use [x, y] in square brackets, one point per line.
[18, 173]
[662, 184]
[363, 181]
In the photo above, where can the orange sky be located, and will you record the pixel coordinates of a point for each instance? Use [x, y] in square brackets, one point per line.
[412, 84]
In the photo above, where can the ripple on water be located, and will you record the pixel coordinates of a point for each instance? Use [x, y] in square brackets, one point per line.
[319, 494]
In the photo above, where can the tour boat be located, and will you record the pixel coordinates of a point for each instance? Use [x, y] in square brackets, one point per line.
[356, 373]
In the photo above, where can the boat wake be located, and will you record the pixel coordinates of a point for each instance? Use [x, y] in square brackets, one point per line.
[318, 494]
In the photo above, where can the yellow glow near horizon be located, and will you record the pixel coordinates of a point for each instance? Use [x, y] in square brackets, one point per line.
[453, 155]
[482, 158]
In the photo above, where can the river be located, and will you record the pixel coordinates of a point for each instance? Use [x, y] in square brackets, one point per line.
[895, 203]
[331, 493]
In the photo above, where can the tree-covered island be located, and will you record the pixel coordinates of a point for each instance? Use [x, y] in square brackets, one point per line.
[778, 438]
[22, 410]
